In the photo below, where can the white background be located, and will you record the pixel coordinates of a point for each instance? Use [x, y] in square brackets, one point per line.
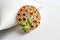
[49, 29]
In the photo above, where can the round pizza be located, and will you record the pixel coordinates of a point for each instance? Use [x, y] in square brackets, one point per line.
[28, 17]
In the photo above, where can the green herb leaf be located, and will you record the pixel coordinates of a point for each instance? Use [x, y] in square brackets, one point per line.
[30, 21]
[22, 24]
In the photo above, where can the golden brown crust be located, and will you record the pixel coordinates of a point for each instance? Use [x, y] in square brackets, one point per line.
[28, 10]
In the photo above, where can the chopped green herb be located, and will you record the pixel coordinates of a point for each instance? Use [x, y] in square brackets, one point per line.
[30, 21]
[22, 24]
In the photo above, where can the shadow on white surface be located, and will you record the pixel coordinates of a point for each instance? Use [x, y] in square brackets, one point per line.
[16, 30]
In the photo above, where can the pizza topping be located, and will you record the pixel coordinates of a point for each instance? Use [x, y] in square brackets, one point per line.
[37, 16]
[20, 19]
[31, 14]
[18, 14]
[20, 9]
[34, 11]
[30, 21]
[31, 26]
[36, 25]
[23, 14]
[32, 7]
[35, 21]
[22, 23]
[26, 10]
[24, 19]
[23, 6]
[39, 22]
[26, 28]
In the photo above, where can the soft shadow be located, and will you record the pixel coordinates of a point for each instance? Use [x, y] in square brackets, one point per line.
[15, 28]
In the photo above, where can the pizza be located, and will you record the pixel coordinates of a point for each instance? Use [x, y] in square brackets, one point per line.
[28, 17]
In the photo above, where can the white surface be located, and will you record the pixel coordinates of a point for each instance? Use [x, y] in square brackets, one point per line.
[49, 29]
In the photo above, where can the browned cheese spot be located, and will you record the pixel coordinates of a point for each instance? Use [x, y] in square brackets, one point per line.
[20, 9]
[24, 14]
[37, 16]
[19, 19]
[24, 19]
[18, 14]
[26, 10]
[31, 14]
[34, 11]
[36, 25]
[35, 21]
[31, 26]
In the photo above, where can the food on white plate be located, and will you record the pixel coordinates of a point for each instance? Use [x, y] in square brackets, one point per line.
[28, 17]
